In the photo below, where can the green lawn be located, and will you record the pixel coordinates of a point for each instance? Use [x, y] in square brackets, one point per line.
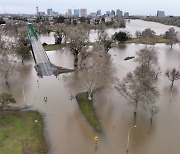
[20, 134]
[88, 110]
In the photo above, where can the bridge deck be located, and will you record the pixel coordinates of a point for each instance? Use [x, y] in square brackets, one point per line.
[43, 64]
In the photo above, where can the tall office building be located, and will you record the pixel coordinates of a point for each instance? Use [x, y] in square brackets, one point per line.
[99, 12]
[160, 14]
[126, 14]
[119, 13]
[83, 12]
[112, 12]
[108, 13]
[76, 12]
[49, 12]
[69, 13]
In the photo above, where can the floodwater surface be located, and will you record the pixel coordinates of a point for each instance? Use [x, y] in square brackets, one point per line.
[66, 129]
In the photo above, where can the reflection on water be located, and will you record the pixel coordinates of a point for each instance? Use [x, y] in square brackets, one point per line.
[67, 130]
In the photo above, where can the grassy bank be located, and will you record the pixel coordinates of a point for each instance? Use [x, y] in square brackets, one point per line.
[149, 41]
[52, 47]
[88, 110]
[20, 133]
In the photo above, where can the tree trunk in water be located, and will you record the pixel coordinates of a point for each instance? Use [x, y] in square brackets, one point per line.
[151, 115]
[76, 61]
[135, 110]
[171, 91]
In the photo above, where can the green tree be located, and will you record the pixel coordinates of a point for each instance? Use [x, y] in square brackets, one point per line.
[24, 52]
[121, 36]
[5, 99]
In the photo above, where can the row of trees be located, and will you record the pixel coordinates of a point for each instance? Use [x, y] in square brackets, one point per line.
[14, 45]
[138, 87]
[165, 20]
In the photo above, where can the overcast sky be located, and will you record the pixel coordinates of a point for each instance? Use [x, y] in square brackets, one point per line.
[135, 7]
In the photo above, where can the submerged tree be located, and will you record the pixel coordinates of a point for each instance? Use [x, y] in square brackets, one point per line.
[60, 30]
[149, 57]
[77, 38]
[173, 75]
[171, 35]
[23, 51]
[138, 89]
[96, 74]
[104, 40]
[8, 60]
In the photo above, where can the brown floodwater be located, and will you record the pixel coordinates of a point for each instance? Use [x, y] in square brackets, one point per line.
[68, 132]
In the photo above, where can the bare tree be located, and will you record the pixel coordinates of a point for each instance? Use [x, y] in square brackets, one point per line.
[173, 75]
[97, 73]
[78, 38]
[153, 110]
[60, 32]
[8, 60]
[104, 40]
[138, 89]
[23, 36]
[138, 34]
[148, 36]
[147, 56]
[171, 35]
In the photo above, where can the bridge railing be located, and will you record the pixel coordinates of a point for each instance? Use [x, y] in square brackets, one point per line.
[32, 31]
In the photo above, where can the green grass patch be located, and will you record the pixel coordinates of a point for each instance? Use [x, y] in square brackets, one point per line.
[52, 47]
[158, 39]
[88, 110]
[129, 58]
[20, 134]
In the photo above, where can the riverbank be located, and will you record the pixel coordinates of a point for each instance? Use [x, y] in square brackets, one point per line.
[158, 39]
[52, 47]
[150, 41]
[87, 108]
[22, 132]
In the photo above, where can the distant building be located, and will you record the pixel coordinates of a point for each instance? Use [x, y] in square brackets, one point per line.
[41, 14]
[126, 14]
[83, 12]
[69, 13]
[108, 13]
[119, 13]
[93, 14]
[76, 12]
[99, 12]
[37, 10]
[160, 14]
[112, 12]
[55, 14]
[49, 12]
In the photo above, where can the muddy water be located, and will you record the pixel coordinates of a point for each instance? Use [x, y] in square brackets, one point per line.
[68, 132]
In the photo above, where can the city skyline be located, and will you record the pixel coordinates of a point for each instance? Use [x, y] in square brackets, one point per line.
[137, 7]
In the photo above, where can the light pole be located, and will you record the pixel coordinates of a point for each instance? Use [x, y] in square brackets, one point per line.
[128, 137]
[24, 93]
